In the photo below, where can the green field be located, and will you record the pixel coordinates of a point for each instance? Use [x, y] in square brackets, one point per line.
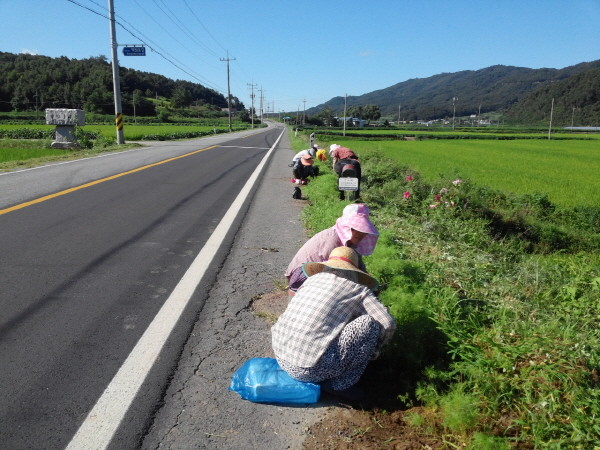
[567, 171]
[471, 133]
[20, 150]
[131, 132]
[138, 132]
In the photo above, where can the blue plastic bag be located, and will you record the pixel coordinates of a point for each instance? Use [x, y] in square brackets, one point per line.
[261, 380]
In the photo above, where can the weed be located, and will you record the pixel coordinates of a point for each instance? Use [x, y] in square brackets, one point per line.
[496, 299]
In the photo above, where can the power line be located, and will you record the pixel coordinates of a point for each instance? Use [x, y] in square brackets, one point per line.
[179, 24]
[200, 22]
[169, 58]
[89, 9]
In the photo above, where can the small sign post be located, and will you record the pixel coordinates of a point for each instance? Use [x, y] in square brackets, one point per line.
[348, 184]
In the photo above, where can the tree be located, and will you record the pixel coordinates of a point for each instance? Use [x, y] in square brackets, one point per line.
[371, 112]
[180, 97]
[244, 116]
[327, 116]
[355, 111]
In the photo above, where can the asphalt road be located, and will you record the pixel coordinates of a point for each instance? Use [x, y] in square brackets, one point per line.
[83, 274]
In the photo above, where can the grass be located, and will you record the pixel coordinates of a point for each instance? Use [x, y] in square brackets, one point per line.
[13, 150]
[140, 132]
[497, 324]
[25, 153]
[31, 145]
[134, 132]
[566, 171]
[466, 133]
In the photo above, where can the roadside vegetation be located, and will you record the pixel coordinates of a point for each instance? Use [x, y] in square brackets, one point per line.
[25, 143]
[495, 292]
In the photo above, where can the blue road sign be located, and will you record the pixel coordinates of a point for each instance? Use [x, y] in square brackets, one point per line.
[134, 51]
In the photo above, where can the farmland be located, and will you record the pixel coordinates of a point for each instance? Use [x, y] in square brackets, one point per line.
[26, 145]
[494, 288]
[132, 132]
[567, 171]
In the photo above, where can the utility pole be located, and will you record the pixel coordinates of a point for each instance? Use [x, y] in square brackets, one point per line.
[304, 113]
[36, 105]
[252, 86]
[454, 113]
[572, 116]
[115, 71]
[551, 113]
[345, 104]
[261, 104]
[228, 91]
[399, 106]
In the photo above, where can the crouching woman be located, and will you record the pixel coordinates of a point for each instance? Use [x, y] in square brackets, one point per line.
[333, 326]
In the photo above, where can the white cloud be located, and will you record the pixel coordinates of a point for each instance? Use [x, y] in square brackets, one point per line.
[29, 52]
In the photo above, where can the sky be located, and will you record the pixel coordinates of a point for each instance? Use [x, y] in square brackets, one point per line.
[300, 54]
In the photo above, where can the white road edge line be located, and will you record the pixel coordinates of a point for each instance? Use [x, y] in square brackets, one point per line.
[104, 419]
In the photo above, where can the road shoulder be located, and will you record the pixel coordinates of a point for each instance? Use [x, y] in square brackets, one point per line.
[198, 410]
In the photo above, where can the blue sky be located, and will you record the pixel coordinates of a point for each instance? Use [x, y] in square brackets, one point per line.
[303, 53]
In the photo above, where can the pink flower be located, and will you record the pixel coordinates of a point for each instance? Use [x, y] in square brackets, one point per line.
[409, 178]
[438, 197]
[433, 206]
[457, 182]
[443, 191]
[407, 194]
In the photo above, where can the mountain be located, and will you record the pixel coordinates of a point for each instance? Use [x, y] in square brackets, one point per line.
[30, 82]
[491, 89]
[573, 101]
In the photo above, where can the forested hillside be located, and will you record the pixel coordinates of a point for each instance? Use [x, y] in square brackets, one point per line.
[30, 82]
[576, 101]
[493, 89]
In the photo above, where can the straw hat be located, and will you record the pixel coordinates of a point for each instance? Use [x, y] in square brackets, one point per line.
[307, 160]
[342, 258]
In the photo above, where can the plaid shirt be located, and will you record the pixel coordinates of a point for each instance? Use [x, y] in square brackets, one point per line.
[318, 312]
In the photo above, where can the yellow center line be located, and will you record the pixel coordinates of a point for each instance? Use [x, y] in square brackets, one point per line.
[92, 183]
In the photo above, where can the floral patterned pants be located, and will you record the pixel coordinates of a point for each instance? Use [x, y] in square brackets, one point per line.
[346, 359]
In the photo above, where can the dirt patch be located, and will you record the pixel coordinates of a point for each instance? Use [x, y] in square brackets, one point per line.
[350, 429]
[381, 421]
[270, 306]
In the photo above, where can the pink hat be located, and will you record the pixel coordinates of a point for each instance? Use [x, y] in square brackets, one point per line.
[307, 160]
[356, 216]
